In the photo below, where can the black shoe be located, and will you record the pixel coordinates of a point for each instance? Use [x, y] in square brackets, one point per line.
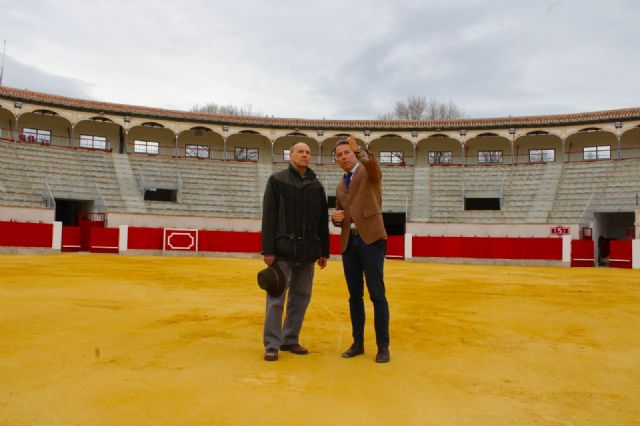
[295, 349]
[355, 350]
[271, 355]
[383, 354]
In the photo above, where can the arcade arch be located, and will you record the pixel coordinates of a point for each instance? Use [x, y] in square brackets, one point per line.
[630, 143]
[538, 147]
[7, 126]
[438, 149]
[488, 148]
[98, 133]
[200, 142]
[45, 126]
[248, 146]
[151, 138]
[393, 149]
[591, 143]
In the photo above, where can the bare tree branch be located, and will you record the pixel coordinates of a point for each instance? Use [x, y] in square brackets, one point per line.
[229, 109]
[418, 108]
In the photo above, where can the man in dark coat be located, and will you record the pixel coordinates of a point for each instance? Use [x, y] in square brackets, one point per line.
[295, 234]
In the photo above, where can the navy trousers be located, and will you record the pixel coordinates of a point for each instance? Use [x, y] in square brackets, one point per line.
[366, 260]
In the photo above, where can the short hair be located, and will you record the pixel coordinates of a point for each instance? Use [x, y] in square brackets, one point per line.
[338, 143]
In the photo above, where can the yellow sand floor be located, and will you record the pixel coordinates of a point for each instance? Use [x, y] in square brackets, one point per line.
[111, 340]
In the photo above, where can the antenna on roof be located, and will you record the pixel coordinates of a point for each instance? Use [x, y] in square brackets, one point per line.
[4, 48]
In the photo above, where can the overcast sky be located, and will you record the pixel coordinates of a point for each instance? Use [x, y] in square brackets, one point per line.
[333, 59]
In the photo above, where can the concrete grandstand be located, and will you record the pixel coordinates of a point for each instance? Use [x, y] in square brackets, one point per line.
[85, 175]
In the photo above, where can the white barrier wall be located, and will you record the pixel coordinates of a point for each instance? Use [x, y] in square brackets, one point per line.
[566, 248]
[184, 222]
[408, 246]
[123, 241]
[56, 238]
[27, 214]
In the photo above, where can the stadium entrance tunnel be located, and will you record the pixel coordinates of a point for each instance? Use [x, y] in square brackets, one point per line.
[610, 228]
[67, 211]
[481, 203]
[394, 223]
[161, 194]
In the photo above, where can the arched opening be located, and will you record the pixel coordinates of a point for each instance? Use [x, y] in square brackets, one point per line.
[538, 147]
[591, 144]
[7, 125]
[438, 150]
[488, 149]
[630, 143]
[392, 150]
[45, 127]
[249, 146]
[200, 142]
[98, 133]
[151, 140]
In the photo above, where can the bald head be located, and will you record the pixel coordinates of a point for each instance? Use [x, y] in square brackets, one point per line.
[299, 155]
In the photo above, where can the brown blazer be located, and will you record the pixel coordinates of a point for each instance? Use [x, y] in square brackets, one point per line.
[362, 203]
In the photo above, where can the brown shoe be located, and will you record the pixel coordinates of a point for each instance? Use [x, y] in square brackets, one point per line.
[271, 355]
[295, 349]
[355, 350]
[383, 355]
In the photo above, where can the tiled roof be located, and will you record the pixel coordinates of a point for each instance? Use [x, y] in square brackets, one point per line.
[465, 123]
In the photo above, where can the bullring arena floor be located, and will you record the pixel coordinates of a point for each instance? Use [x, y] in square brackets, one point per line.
[107, 340]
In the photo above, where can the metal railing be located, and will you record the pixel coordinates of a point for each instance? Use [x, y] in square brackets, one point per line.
[100, 205]
[143, 183]
[46, 140]
[179, 184]
[47, 196]
[587, 212]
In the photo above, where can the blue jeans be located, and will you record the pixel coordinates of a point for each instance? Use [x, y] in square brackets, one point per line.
[366, 260]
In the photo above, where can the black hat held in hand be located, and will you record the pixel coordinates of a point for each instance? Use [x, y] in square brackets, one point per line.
[272, 280]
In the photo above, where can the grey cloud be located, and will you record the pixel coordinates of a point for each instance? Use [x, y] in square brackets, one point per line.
[494, 73]
[21, 76]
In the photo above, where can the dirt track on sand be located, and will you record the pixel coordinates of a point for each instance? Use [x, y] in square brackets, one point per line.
[100, 339]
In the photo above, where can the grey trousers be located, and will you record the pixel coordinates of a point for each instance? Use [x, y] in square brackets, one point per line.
[299, 282]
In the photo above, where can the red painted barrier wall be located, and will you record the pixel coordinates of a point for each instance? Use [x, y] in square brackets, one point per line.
[86, 227]
[582, 253]
[395, 246]
[181, 240]
[23, 234]
[70, 238]
[145, 238]
[488, 248]
[104, 240]
[230, 242]
[334, 244]
[620, 254]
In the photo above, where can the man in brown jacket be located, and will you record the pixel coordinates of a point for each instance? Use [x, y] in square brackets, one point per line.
[362, 242]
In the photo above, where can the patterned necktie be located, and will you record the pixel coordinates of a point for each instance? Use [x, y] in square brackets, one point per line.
[347, 179]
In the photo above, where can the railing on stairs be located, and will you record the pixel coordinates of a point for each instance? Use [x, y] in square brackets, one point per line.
[48, 197]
